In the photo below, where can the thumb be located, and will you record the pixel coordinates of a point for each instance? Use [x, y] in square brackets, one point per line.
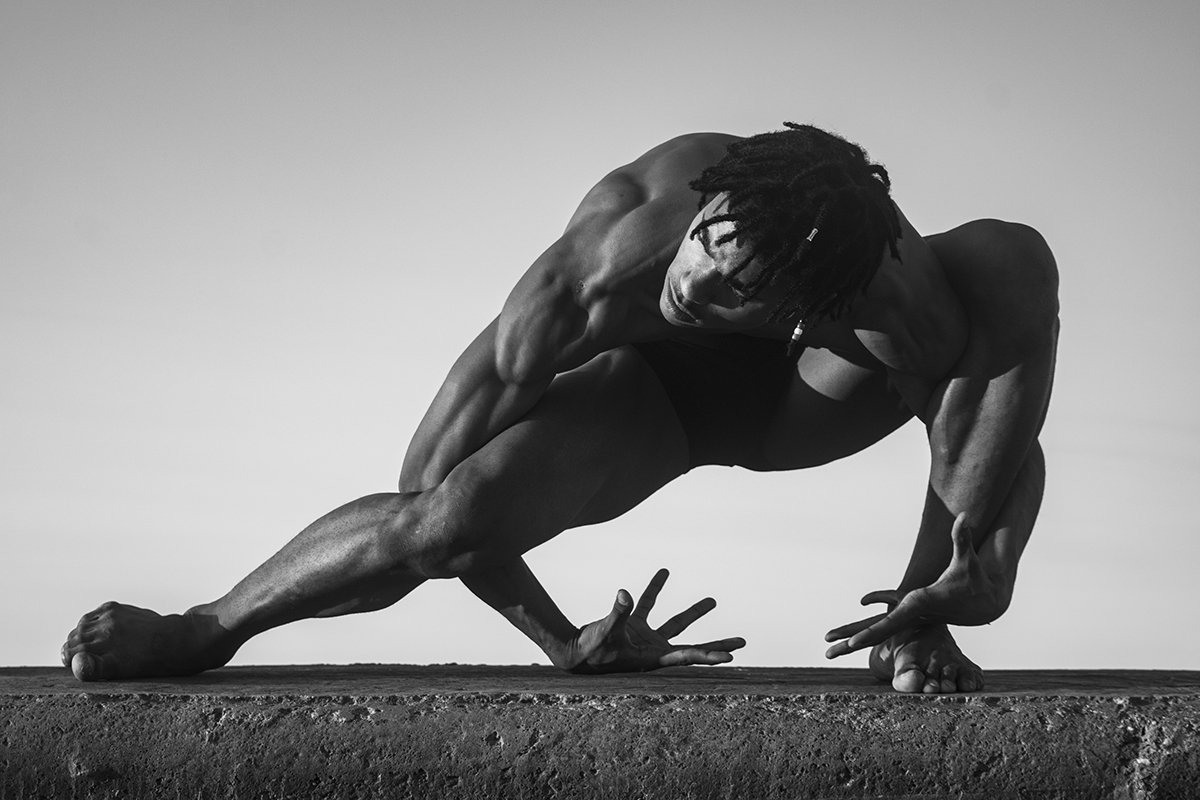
[593, 635]
[889, 596]
[622, 608]
[960, 535]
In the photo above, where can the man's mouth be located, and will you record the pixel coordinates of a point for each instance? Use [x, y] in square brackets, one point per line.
[677, 308]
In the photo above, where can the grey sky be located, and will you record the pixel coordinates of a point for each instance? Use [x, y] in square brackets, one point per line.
[240, 244]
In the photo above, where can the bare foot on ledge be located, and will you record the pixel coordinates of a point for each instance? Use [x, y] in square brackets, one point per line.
[925, 660]
[122, 641]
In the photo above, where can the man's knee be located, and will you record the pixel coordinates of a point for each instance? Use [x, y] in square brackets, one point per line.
[441, 534]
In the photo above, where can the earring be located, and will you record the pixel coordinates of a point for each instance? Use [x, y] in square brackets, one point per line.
[796, 334]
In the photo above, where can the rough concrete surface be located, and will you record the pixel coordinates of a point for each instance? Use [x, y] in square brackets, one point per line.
[379, 731]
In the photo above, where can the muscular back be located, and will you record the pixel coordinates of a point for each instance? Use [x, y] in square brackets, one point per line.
[592, 290]
[597, 287]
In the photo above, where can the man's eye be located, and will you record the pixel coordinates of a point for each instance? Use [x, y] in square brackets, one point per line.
[740, 289]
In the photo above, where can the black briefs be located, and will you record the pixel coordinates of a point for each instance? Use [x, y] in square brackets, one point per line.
[725, 389]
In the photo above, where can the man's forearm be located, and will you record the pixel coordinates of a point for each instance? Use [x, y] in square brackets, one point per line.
[514, 591]
[1002, 540]
[985, 460]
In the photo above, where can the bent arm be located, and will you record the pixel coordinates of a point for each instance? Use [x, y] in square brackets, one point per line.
[983, 421]
[474, 404]
[986, 467]
[502, 374]
[982, 436]
[499, 378]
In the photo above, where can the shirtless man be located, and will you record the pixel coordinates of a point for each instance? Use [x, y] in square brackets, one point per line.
[796, 319]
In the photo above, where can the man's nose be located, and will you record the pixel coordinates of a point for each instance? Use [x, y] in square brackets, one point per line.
[698, 286]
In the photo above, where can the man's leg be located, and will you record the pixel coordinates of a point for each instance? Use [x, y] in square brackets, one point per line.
[602, 439]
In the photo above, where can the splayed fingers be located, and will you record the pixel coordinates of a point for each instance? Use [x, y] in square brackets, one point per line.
[650, 595]
[624, 641]
[681, 621]
[874, 630]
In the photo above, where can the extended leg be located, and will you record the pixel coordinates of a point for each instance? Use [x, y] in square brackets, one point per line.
[602, 439]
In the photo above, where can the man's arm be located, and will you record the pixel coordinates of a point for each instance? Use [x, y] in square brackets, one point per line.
[499, 377]
[545, 329]
[622, 641]
[489, 389]
[541, 332]
[985, 417]
[986, 467]
[983, 433]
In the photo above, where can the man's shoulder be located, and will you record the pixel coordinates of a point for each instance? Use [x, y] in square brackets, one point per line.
[1004, 273]
[601, 278]
[663, 171]
[987, 249]
[695, 149]
[631, 222]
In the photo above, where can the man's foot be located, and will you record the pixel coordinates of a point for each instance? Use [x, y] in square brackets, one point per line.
[925, 660]
[121, 641]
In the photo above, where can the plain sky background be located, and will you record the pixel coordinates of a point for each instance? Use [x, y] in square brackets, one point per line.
[241, 243]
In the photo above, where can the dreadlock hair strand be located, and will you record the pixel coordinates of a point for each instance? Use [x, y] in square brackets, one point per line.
[779, 187]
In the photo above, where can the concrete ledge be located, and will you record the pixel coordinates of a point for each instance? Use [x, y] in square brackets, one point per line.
[532, 732]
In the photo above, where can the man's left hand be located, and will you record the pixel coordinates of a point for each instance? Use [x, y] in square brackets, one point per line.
[623, 641]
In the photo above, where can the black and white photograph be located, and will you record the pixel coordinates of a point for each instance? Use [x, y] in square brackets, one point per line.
[661, 399]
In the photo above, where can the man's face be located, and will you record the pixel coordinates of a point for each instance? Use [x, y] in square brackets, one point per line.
[701, 289]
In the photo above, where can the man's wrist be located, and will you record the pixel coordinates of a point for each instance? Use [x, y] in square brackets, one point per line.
[563, 652]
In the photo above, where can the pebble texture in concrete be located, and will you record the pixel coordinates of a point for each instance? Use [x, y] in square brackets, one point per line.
[377, 731]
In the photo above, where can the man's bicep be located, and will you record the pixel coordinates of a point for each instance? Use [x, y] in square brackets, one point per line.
[543, 329]
[444, 436]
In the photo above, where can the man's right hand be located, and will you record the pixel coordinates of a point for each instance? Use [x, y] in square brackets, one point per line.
[624, 641]
[969, 592]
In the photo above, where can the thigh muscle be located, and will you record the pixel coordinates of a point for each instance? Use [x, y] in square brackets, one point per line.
[602, 439]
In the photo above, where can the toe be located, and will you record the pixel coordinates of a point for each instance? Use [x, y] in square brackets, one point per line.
[880, 663]
[950, 678]
[970, 680]
[85, 666]
[909, 681]
[933, 674]
[908, 670]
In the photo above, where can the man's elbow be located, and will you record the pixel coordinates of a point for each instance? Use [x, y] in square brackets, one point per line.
[1041, 271]
[518, 366]
[529, 346]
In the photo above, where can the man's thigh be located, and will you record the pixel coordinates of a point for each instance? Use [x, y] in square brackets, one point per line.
[602, 439]
[831, 409]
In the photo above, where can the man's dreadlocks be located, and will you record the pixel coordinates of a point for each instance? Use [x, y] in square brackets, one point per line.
[785, 186]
